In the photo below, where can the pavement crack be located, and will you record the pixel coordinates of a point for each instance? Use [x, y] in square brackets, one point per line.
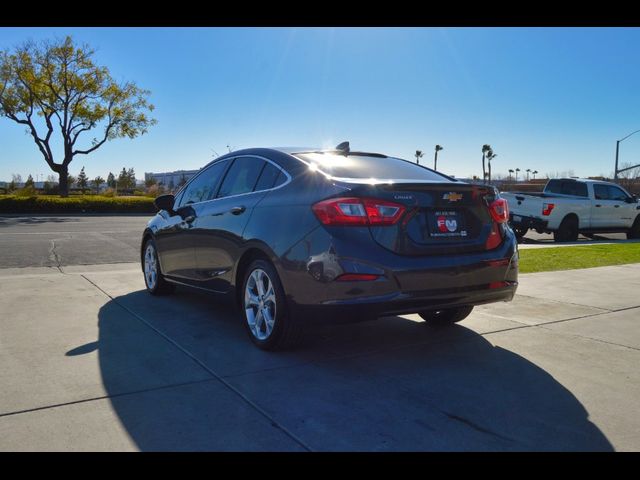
[475, 426]
[55, 256]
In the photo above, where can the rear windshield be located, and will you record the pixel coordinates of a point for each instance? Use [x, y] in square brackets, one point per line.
[567, 187]
[369, 167]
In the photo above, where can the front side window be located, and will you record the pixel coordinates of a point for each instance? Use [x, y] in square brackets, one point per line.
[203, 186]
[616, 193]
[241, 177]
[601, 192]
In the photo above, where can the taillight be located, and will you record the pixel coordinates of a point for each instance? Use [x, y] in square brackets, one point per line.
[358, 211]
[499, 210]
[495, 238]
[547, 208]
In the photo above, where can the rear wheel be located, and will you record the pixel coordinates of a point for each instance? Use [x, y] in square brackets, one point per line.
[520, 231]
[265, 311]
[567, 231]
[153, 278]
[445, 316]
[635, 229]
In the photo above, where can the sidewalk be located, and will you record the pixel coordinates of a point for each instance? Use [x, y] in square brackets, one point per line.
[92, 362]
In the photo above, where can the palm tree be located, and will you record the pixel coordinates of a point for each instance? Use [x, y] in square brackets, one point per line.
[510, 172]
[517, 170]
[528, 171]
[490, 156]
[485, 148]
[435, 159]
[419, 155]
[534, 174]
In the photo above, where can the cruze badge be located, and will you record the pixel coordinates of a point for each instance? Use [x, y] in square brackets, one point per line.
[452, 196]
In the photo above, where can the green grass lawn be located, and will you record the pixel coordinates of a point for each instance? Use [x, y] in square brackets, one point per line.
[567, 258]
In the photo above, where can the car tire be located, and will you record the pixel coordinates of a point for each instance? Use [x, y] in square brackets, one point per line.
[634, 233]
[567, 231]
[264, 309]
[445, 316]
[153, 278]
[520, 232]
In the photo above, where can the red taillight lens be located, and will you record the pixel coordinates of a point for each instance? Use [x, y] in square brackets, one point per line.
[358, 211]
[495, 238]
[547, 208]
[499, 210]
[356, 277]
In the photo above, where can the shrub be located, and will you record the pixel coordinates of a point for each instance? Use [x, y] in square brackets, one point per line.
[109, 193]
[78, 204]
[27, 191]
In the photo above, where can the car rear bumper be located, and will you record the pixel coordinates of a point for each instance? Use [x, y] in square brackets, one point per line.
[405, 284]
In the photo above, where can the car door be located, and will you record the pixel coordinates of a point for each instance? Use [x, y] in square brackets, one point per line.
[176, 244]
[602, 211]
[220, 223]
[624, 210]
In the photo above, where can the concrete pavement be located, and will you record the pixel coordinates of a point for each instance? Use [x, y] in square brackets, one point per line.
[92, 362]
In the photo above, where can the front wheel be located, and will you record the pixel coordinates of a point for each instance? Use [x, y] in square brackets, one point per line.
[266, 316]
[445, 316]
[634, 233]
[153, 278]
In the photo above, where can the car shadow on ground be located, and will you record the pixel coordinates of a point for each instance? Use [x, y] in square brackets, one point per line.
[388, 384]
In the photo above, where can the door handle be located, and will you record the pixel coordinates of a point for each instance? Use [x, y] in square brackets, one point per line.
[617, 206]
[598, 205]
[238, 210]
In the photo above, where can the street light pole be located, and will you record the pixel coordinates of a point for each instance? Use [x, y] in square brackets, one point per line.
[615, 173]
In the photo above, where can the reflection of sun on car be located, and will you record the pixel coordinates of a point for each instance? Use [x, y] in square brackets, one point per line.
[296, 235]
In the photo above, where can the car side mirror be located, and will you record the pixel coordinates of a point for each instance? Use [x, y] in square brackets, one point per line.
[632, 199]
[165, 202]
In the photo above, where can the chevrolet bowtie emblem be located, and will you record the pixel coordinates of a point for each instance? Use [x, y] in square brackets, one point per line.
[452, 196]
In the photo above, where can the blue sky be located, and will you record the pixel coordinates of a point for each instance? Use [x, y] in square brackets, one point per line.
[549, 99]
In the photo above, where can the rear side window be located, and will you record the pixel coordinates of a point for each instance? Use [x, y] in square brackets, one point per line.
[567, 187]
[241, 177]
[365, 167]
[268, 177]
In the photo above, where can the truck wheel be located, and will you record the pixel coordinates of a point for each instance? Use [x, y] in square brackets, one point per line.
[446, 316]
[635, 229]
[568, 230]
[520, 232]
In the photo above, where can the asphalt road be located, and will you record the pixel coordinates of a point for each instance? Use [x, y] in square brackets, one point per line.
[51, 241]
[57, 240]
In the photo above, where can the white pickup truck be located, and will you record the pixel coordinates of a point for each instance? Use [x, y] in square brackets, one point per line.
[569, 206]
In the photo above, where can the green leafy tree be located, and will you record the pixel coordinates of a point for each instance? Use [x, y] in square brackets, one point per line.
[83, 181]
[111, 180]
[131, 178]
[123, 179]
[29, 182]
[150, 182]
[97, 182]
[57, 86]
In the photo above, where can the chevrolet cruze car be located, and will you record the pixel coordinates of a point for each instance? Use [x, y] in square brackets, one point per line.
[303, 235]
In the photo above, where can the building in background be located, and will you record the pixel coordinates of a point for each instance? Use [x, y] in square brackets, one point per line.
[170, 179]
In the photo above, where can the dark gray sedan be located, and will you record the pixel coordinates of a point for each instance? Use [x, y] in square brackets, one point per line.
[303, 235]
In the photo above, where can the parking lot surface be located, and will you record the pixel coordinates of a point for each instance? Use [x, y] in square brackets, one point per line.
[92, 362]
